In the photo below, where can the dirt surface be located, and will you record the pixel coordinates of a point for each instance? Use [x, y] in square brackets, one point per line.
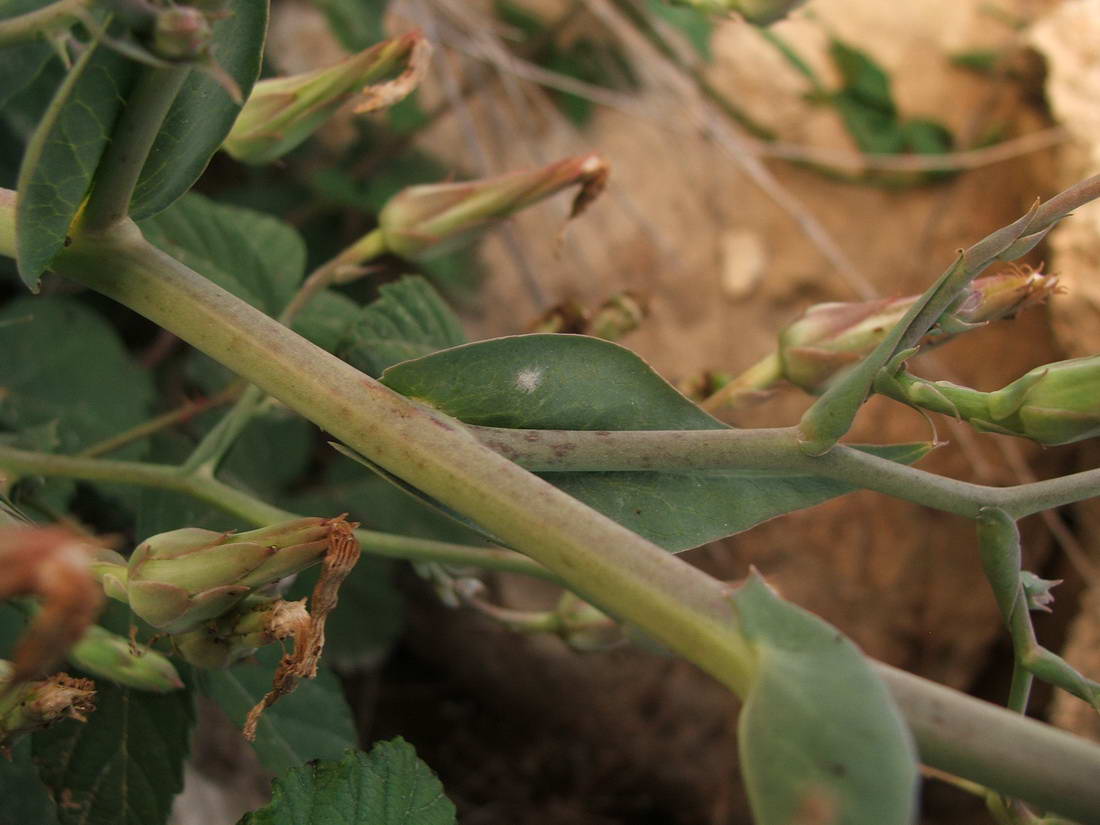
[526, 730]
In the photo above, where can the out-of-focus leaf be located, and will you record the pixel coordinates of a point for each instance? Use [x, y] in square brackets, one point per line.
[388, 786]
[326, 319]
[26, 800]
[357, 23]
[313, 722]
[694, 24]
[408, 320]
[125, 764]
[820, 737]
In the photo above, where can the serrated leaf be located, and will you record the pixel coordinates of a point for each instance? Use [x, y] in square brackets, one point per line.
[125, 764]
[62, 364]
[63, 153]
[255, 256]
[202, 113]
[313, 722]
[25, 799]
[408, 320]
[819, 735]
[388, 786]
[572, 382]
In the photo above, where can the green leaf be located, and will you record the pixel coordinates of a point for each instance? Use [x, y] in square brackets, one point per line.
[326, 318]
[25, 799]
[693, 23]
[62, 364]
[408, 320]
[202, 113]
[572, 382]
[865, 101]
[388, 786]
[125, 764]
[313, 722]
[255, 256]
[63, 153]
[819, 735]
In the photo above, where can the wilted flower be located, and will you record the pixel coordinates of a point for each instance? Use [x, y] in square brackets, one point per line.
[29, 706]
[424, 221]
[181, 579]
[113, 657]
[282, 112]
[228, 639]
[829, 337]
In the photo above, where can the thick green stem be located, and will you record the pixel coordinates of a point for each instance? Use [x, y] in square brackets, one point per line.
[130, 143]
[41, 22]
[254, 511]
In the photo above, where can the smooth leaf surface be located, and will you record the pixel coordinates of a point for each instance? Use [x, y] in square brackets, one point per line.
[125, 764]
[202, 113]
[388, 786]
[572, 382]
[819, 735]
[408, 320]
[255, 256]
[63, 153]
[63, 366]
[313, 722]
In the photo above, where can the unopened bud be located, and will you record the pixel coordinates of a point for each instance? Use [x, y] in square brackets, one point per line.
[830, 337]
[181, 579]
[282, 112]
[181, 33]
[29, 706]
[113, 657]
[238, 634]
[422, 222]
[618, 316]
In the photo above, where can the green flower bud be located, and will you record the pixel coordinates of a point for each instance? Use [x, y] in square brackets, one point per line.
[110, 656]
[422, 222]
[181, 579]
[1037, 591]
[282, 112]
[228, 639]
[1054, 404]
[830, 337]
[29, 706]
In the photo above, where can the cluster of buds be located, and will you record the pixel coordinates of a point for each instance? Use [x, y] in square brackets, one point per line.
[29, 706]
[422, 222]
[830, 337]
[1053, 404]
[179, 580]
[231, 638]
[282, 112]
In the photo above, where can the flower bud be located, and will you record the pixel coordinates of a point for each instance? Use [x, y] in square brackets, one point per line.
[1037, 591]
[830, 337]
[110, 656]
[422, 222]
[228, 639]
[619, 315]
[181, 33]
[282, 112]
[181, 579]
[1054, 404]
[29, 706]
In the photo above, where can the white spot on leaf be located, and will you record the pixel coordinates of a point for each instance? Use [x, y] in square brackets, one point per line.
[528, 379]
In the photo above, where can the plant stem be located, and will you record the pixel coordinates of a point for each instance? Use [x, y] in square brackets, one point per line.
[130, 144]
[162, 422]
[677, 604]
[774, 450]
[40, 22]
[255, 511]
[336, 271]
[761, 375]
